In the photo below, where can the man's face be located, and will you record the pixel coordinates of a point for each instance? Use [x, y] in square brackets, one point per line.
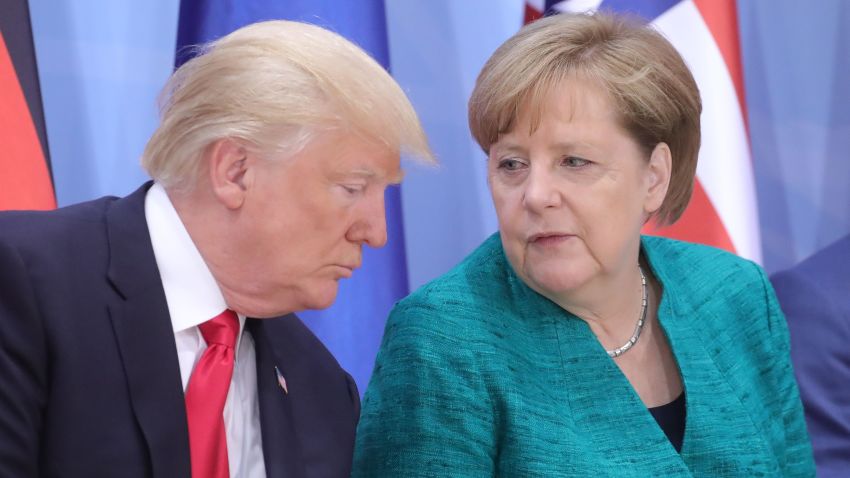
[306, 218]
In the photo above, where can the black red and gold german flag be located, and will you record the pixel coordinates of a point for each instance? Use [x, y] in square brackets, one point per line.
[24, 163]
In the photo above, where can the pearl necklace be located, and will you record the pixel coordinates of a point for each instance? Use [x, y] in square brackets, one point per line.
[641, 318]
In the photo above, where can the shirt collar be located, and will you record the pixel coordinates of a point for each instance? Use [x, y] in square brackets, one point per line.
[192, 294]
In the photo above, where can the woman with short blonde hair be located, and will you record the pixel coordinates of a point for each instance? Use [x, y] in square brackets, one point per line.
[568, 344]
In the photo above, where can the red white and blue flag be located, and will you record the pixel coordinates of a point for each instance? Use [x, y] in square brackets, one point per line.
[723, 210]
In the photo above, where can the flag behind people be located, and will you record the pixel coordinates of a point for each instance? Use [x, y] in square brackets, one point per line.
[24, 168]
[723, 210]
[353, 326]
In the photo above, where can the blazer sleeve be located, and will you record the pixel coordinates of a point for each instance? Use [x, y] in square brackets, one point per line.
[23, 365]
[426, 411]
[796, 460]
[820, 331]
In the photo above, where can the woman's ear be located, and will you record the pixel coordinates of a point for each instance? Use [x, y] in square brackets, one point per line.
[658, 173]
[228, 171]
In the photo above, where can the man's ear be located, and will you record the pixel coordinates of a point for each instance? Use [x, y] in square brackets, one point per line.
[658, 173]
[228, 171]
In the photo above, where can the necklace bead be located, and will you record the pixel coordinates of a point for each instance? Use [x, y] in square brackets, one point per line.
[639, 326]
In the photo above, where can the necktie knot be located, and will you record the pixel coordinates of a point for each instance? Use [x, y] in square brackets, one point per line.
[221, 329]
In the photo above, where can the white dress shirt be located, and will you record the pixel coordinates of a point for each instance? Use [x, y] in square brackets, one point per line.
[194, 297]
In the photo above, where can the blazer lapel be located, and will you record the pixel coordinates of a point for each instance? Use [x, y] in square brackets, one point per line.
[612, 421]
[145, 338]
[608, 410]
[281, 450]
[719, 432]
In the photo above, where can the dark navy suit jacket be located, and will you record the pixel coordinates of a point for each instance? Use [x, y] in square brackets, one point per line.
[815, 296]
[89, 378]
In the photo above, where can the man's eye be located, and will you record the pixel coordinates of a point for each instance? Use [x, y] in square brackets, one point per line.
[510, 164]
[574, 162]
[353, 188]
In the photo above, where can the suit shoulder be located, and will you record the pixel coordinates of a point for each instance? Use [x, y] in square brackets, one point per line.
[824, 271]
[34, 229]
[815, 290]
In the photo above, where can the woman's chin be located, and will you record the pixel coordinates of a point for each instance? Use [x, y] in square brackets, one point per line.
[556, 282]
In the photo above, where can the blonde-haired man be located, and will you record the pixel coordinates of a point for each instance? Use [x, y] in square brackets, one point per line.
[152, 335]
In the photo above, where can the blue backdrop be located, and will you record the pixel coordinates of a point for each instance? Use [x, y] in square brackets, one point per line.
[103, 63]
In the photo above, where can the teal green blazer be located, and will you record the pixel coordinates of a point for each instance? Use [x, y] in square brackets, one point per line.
[480, 376]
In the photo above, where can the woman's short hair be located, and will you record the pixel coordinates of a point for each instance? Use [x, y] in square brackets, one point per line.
[276, 85]
[651, 88]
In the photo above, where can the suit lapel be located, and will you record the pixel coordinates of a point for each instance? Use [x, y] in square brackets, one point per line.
[145, 338]
[280, 443]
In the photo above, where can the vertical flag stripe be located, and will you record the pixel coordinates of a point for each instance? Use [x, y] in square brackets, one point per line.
[721, 17]
[531, 14]
[24, 177]
[17, 34]
[724, 169]
[699, 223]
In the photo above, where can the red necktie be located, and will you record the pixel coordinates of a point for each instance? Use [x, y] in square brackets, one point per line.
[206, 394]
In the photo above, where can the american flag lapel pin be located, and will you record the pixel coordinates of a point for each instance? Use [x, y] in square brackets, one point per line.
[280, 380]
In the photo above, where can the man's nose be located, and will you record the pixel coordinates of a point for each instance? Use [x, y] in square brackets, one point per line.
[371, 226]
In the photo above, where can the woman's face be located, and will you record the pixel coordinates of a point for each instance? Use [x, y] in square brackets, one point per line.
[571, 197]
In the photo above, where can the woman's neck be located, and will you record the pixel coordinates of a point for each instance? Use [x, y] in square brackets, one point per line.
[611, 305]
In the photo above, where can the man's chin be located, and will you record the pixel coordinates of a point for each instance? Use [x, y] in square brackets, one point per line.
[305, 299]
[322, 299]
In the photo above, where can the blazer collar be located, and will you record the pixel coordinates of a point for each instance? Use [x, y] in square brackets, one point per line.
[598, 398]
[145, 338]
[617, 422]
[715, 412]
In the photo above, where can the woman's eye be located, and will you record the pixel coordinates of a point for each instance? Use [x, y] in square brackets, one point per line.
[510, 164]
[574, 162]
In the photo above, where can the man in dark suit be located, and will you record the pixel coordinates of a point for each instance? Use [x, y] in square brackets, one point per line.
[815, 296]
[138, 335]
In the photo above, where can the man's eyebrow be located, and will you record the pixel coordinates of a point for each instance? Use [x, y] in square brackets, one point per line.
[366, 173]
